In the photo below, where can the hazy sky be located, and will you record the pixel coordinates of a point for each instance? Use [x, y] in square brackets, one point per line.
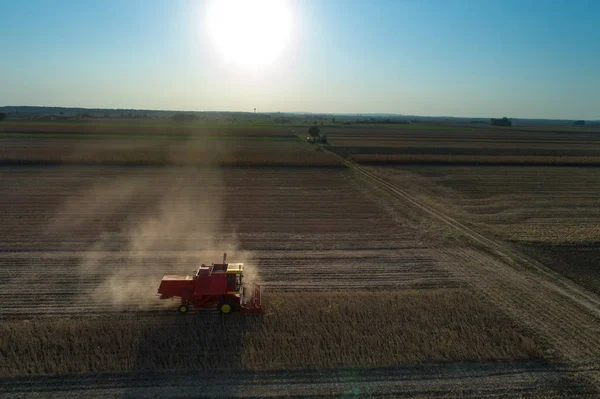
[518, 58]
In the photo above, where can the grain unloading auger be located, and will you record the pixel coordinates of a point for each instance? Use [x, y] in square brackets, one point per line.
[217, 286]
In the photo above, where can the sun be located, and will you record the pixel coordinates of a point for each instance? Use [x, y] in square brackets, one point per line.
[250, 33]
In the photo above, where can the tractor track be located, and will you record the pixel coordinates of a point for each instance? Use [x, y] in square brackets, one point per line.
[523, 299]
[564, 314]
[564, 286]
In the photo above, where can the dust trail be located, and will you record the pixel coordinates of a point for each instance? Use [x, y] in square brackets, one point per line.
[174, 235]
[181, 226]
[144, 224]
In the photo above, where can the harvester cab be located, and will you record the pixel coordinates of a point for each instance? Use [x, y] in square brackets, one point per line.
[220, 286]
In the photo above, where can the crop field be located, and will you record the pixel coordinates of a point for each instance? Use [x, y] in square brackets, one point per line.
[551, 212]
[89, 220]
[380, 280]
[154, 150]
[532, 186]
[414, 144]
[438, 325]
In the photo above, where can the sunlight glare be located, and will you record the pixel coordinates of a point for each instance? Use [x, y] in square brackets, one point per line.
[250, 33]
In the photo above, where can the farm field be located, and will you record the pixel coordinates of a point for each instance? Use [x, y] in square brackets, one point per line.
[412, 144]
[278, 218]
[396, 300]
[532, 186]
[284, 199]
[550, 212]
[253, 150]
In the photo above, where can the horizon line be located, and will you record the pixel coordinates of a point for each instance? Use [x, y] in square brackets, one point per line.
[383, 114]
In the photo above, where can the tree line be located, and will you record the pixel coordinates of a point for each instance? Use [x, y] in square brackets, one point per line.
[501, 122]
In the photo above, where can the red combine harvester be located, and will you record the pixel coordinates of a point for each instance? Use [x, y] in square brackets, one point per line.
[218, 285]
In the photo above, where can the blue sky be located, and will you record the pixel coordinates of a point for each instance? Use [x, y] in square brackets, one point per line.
[526, 58]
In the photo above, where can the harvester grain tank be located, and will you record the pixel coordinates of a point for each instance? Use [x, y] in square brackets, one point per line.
[219, 286]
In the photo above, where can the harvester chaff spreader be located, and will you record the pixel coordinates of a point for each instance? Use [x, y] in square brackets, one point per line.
[219, 286]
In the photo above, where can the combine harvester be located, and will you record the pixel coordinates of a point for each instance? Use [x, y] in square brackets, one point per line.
[217, 286]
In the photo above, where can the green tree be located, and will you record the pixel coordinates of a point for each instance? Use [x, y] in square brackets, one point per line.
[314, 131]
[3, 116]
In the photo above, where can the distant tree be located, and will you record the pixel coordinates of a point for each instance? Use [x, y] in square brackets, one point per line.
[501, 122]
[3, 116]
[579, 123]
[314, 131]
[180, 117]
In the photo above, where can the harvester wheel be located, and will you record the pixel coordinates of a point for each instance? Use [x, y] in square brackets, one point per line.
[183, 308]
[226, 307]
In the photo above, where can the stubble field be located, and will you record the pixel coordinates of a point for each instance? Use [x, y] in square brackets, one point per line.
[356, 277]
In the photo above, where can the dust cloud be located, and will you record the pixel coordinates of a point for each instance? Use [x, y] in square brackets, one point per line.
[251, 276]
[148, 222]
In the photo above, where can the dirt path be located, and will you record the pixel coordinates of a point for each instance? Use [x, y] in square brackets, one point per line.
[561, 312]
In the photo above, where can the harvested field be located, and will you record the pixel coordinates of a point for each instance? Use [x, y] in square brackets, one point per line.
[532, 204]
[357, 277]
[79, 225]
[540, 299]
[550, 212]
